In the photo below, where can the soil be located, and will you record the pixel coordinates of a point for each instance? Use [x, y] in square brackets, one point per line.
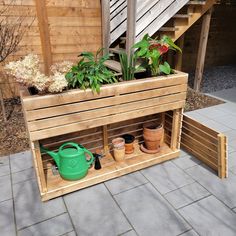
[13, 136]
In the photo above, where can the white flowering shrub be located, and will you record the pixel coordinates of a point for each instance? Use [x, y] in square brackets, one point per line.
[62, 67]
[27, 72]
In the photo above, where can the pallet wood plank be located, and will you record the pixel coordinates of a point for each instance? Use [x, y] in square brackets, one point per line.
[103, 112]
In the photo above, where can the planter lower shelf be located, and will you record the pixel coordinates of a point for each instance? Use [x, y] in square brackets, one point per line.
[56, 186]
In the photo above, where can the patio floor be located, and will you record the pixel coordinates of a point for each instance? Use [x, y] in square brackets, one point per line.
[178, 197]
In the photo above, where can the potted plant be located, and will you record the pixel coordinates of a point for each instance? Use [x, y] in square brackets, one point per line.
[90, 72]
[152, 52]
[127, 65]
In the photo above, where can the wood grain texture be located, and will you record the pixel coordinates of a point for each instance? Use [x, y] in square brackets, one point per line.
[53, 115]
[206, 144]
[44, 34]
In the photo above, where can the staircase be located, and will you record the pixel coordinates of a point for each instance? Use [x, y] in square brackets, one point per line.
[129, 20]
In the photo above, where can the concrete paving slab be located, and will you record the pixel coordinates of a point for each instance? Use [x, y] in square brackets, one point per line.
[149, 213]
[21, 161]
[228, 107]
[125, 182]
[186, 195]
[186, 162]
[56, 226]
[183, 153]
[209, 217]
[5, 188]
[94, 212]
[226, 94]
[4, 160]
[212, 112]
[7, 225]
[231, 135]
[23, 175]
[72, 233]
[190, 233]
[29, 209]
[4, 170]
[216, 126]
[223, 189]
[130, 233]
[197, 116]
[167, 177]
[231, 149]
[232, 159]
[227, 120]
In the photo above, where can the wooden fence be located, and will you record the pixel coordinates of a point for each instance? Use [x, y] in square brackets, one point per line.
[61, 29]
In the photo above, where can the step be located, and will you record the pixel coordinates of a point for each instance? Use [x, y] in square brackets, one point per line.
[113, 65]
[196, 3]
[182, 16]
[116, 50]
[168, 29]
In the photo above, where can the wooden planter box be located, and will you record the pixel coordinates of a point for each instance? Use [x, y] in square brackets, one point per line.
[94, 120]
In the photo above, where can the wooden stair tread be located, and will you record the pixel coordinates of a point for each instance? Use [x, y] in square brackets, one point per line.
[168, 29]
[116, 50]
[183, 16]
[196, 3]
[114, 65]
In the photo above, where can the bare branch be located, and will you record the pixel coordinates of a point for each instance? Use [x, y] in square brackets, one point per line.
[11, 31]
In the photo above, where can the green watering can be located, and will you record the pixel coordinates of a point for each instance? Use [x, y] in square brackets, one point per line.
[71, 160]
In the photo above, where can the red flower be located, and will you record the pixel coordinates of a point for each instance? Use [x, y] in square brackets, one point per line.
[162, 48]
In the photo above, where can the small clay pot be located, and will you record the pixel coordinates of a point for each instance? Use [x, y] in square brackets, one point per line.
[152, 137]
[119, 149]
[118, 143]
[119, 154]
[129, 143]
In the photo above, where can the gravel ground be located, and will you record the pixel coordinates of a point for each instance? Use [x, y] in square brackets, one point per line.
[216, 78]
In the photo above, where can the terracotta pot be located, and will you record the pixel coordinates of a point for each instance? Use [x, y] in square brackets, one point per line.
[152, 137]
[118, 143]
[119, 149]
[119, 154]
[129, 143]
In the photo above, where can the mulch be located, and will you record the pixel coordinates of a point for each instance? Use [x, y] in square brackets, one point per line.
[13, 136]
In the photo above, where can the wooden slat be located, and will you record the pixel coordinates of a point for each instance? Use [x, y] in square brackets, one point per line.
[206, 144]
[113, 65]
[166, 9]
[175, 128]
[44, 33]
[222, 156]
[103, 112]
[103, 121]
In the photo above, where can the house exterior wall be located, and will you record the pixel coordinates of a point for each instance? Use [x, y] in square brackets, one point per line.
[221, 49]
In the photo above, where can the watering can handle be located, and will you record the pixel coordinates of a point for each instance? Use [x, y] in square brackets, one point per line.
[91, 155]
[69, 144]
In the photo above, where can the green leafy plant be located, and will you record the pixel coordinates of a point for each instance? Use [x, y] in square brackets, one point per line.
[127, 65]
[90, 72]
[152, 51]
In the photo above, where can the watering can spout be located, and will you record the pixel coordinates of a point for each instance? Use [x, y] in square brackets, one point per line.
[54, 155]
